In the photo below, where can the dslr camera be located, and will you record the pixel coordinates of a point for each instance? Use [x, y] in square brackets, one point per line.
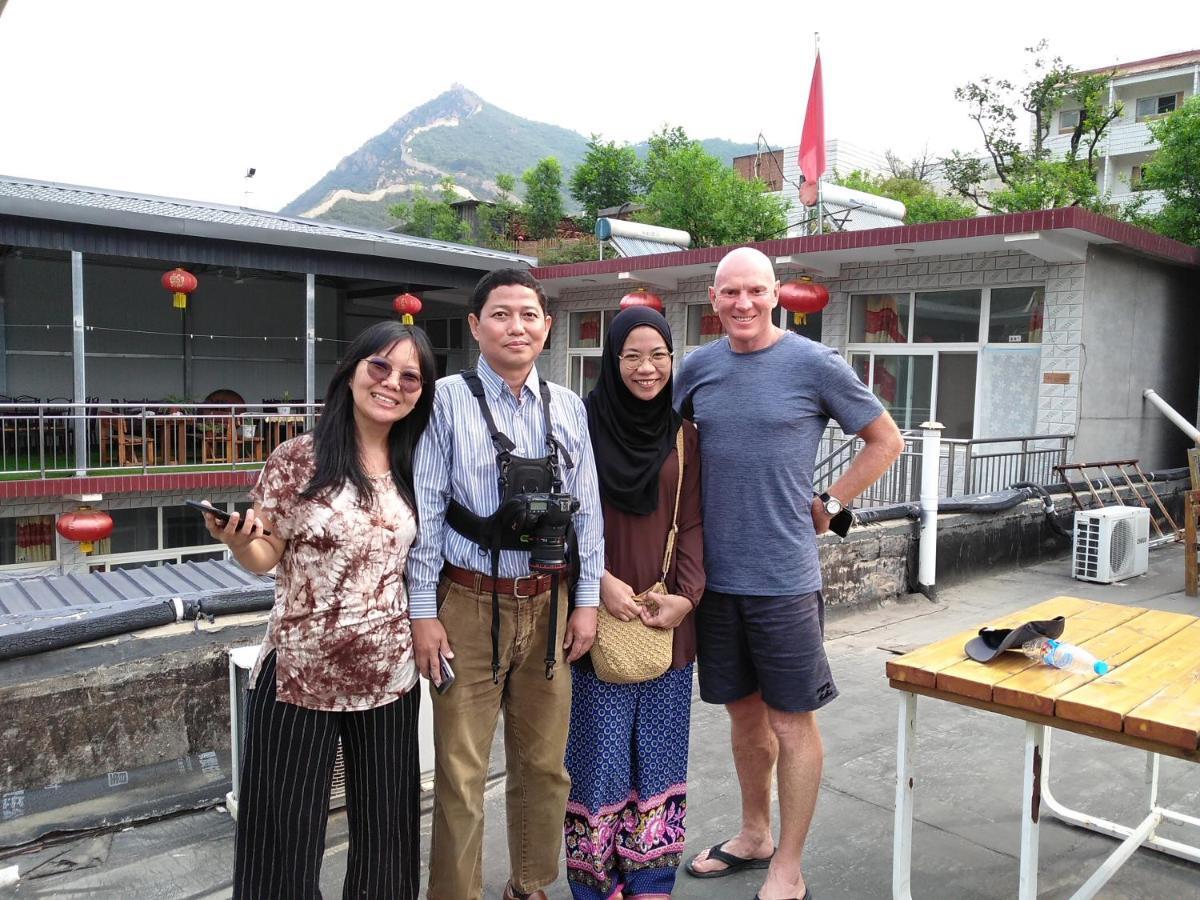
[542, 520]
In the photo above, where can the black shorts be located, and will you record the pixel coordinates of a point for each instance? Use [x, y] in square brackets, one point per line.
[773, 645]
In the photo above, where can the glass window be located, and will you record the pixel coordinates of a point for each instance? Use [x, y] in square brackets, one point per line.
[703, 325]
[1016, 315]
[809, 328]
[1148, 107]
[879, 318]
[184, 527]
[584, 373]
[1068, 119]
[903, 385]
[133, 530]
[947, 317]
[956, 394]
[27, 539]
[455, 333]
[585, 329]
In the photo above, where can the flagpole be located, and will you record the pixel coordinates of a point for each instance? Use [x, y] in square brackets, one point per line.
[820, 202]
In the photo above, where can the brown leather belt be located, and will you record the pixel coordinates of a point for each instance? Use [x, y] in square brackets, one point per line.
[522, 588]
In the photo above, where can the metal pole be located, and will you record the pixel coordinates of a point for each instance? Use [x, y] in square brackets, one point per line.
[931, 452]
[77, 356]
[310, 347]
[1167, 410]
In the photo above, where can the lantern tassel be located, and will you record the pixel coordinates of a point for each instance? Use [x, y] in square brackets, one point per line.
[800, 318]
[407, 319]
[179, 301]
[85, 547]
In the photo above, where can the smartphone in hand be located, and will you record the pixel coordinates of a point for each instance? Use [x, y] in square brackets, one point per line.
[219, 514]
[447, 675]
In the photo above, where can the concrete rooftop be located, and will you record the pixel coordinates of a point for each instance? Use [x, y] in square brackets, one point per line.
[968, 777]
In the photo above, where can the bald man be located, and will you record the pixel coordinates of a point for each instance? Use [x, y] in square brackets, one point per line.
[761, 398]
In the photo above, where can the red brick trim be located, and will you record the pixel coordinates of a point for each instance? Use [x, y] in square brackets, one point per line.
[1138, 239]
[125, 484]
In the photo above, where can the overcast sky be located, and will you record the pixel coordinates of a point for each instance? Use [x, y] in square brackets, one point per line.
[179, 98]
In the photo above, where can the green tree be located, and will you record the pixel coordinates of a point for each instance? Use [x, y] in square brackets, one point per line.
[608, 176]
[686, 188]
[500, 218]
[921, 202]
[1175, 170]
[543, 198]
[1030, 176]
[432, 216]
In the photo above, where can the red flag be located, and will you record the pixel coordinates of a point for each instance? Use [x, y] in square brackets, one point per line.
[812, 139]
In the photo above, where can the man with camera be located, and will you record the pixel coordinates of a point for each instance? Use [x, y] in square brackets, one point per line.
[760, 625]
[502, 473]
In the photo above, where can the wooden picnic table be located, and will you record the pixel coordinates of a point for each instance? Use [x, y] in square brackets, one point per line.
[1150, 700]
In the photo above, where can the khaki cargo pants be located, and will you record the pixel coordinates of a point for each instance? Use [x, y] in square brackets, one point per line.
[536, 716]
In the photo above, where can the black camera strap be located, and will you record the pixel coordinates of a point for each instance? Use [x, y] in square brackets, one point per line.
[492, 532]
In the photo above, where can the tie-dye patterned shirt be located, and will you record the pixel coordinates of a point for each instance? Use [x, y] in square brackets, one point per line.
[340, 625]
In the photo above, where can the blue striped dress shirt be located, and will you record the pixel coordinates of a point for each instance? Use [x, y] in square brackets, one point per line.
[455, 459]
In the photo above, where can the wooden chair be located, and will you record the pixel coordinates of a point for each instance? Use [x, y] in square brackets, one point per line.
[217, 441]
[116, 437]
[248, 448]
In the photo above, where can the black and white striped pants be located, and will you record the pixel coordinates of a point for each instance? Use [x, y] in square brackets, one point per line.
[283, 800]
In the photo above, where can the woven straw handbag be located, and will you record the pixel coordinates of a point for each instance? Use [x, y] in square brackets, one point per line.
[630, 652]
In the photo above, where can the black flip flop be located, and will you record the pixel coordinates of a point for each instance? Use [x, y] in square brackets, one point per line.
[732, 863]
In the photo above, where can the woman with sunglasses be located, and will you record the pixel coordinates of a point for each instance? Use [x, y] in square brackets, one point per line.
[627, 749]
[337, 660]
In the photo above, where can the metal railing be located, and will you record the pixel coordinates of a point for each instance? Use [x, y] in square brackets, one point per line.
[974, 466]
[40, 440]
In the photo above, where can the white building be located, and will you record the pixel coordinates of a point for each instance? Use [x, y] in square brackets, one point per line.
[1147, 89]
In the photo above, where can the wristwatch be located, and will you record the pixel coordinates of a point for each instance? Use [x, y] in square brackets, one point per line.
[833, 505]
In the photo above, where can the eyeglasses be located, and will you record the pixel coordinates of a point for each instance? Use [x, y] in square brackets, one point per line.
[635, 360]
[379, 369]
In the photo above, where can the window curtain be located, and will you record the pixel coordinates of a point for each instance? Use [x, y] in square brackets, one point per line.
[883, 325]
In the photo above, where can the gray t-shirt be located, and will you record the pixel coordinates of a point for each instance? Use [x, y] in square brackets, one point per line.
[760, 417]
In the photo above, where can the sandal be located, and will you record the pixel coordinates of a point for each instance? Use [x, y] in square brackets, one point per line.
[732, 863]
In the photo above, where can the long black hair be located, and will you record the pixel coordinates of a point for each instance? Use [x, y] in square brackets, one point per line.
[335, 438]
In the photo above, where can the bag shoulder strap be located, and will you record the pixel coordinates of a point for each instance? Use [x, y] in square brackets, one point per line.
[675, 516]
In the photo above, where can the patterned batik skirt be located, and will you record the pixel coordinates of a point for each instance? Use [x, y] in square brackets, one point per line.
[627, 755]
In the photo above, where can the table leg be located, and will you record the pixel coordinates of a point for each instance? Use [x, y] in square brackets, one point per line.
[1031, 810]
[1142, 834]
[906, 735]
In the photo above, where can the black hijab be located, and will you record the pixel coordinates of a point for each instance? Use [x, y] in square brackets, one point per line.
[630, 437]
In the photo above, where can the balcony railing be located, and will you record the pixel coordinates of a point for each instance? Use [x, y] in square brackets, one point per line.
[46, 440]
[975, 466]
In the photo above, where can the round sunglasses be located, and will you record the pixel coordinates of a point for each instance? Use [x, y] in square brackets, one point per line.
[379, 369]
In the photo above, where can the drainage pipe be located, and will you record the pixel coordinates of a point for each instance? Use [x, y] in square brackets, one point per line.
[1167, 410]
[931, 456]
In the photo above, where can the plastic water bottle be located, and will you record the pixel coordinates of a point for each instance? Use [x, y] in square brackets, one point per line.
[1064, 656]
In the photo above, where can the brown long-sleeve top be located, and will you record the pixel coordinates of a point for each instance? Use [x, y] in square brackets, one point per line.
[634, 545]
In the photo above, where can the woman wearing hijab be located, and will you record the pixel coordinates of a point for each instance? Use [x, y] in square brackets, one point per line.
[628, 745]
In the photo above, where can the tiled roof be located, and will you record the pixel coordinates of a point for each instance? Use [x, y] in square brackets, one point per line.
[1078, 220]
[68, 195]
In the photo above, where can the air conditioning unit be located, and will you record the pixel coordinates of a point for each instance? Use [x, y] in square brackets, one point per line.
[1111, 544]
[241, 662]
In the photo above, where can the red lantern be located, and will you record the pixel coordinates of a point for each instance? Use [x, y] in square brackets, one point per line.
[180, 282]
[407, 306]
[86, 525]
[803, 297]
[642, 297]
